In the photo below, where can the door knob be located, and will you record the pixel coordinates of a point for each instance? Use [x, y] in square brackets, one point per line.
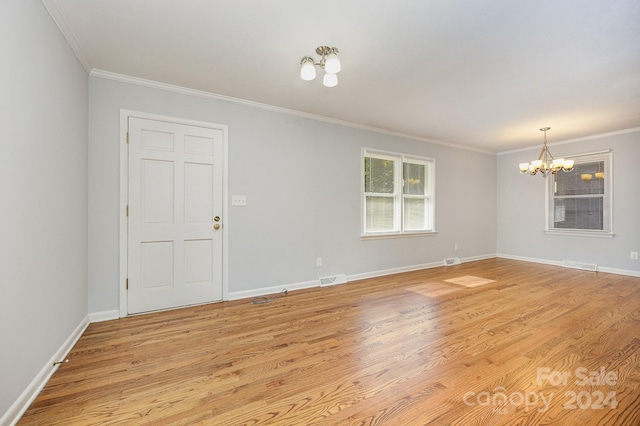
[216, 226]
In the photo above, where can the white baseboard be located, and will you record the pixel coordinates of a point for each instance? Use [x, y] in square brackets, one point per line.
[373, 274]
[481, 257]
[604, 269]
[104, 316]
[383, 272]
[237, 295]
[23, 402]
[530, 259]
[391, 271]
[618, 271]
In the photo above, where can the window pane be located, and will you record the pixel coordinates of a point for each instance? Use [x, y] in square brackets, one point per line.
[414, 176]
[380, 213]
[581, 181]
[397, 193]
[415, 214]
[578, 213]
[378, 175]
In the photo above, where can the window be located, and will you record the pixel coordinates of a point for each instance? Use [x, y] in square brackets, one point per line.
[398, 194]
[580, 201]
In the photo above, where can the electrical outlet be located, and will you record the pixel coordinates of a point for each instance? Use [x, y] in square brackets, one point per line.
[318, 262]
[455, 246]
[634, 255]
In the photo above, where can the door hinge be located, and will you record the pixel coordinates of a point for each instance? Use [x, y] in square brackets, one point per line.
[127, 210]
[127, 281]
[127, 137]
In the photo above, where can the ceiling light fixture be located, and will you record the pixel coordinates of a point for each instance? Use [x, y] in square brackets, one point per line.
[329, 62]
[599, 174]
[589, 176]
[545, 162]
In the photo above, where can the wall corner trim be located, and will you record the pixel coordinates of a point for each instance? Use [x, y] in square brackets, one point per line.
[64, 28]
[27, 397]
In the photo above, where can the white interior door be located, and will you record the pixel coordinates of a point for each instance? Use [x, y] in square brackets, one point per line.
[175, 215]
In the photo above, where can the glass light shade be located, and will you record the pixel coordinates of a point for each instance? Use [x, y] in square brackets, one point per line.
[558, 162]
[585, 176]
[307, 71]
[524, 167]
[332, 64]
[568, 165]
[599, 175]
[536, 163]
[330, 80]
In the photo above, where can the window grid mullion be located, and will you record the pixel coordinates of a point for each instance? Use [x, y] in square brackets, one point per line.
[399, 191]
[582, 212]
[579, 196]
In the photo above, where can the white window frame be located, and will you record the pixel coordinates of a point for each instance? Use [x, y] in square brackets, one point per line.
[607, 207]
[398, 194]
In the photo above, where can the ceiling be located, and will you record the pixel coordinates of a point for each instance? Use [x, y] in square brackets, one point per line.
[486, 74]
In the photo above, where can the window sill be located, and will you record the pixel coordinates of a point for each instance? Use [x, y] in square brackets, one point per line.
[397, 235]
[580, 233]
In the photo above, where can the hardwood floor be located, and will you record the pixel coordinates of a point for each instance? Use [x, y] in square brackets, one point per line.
[406, 349]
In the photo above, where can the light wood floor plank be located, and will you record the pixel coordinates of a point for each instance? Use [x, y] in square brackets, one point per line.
[406, 349]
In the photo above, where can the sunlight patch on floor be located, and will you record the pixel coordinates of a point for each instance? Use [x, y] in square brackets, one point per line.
[469, 281]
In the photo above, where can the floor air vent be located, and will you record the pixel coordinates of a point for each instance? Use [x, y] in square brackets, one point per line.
[577, 265]
[333, 280]
[452, 261]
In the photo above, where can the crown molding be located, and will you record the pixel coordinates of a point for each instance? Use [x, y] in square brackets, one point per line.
[209, 95]
[58, 18]
[582, 139]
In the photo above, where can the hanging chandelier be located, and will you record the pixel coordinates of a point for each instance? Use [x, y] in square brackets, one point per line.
[329, 62]
[545, 163]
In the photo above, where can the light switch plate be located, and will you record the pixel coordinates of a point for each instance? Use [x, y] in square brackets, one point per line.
[239, 200]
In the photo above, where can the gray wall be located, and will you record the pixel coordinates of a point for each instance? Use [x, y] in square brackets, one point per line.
[43, 176]
[302, 182]
[521, 208]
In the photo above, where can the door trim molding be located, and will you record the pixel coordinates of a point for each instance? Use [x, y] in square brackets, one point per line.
[124, 196]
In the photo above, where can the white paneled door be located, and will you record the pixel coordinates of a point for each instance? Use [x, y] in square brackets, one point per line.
[175, 215]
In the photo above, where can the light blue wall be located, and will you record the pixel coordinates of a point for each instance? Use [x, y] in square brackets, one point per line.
[521, 208]
[43, 176]
[302, 182]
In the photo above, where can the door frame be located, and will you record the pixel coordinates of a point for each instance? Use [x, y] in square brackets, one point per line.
[124, 196]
